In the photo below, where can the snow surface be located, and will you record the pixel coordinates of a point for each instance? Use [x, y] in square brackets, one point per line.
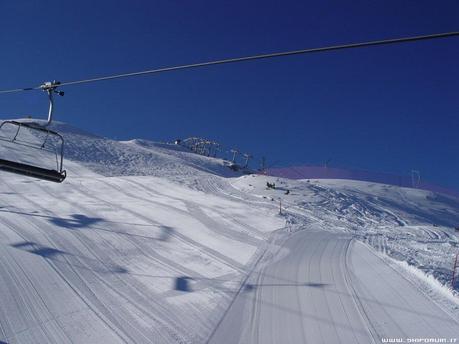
[330, 288]
[410, 225]
[148, 242]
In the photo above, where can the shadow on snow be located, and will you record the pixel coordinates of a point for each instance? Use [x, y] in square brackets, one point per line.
[62, 257]
[75, 221]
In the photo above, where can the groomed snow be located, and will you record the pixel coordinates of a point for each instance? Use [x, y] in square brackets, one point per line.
[147, 242]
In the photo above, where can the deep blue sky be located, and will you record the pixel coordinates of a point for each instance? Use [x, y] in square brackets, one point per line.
[388, 109]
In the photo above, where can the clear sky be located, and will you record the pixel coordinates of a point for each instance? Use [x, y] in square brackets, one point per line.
[388, 109]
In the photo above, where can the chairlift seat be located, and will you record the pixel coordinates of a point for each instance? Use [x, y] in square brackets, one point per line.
[58, 175]
[32, 171]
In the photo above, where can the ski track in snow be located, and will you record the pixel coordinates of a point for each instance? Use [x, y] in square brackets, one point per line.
[147, 242]
[330, 289]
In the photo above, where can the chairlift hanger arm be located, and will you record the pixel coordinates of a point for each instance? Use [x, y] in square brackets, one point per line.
[51, 88]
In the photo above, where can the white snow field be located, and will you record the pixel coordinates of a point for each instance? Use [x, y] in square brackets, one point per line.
[149, 243]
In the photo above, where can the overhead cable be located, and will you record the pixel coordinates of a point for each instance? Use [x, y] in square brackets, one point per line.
[247, 58]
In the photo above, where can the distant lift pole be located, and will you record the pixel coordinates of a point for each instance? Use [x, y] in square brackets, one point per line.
[247, 157]
[415, 179]
[235, 153]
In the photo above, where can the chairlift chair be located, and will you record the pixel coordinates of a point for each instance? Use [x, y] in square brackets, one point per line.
[52, 143]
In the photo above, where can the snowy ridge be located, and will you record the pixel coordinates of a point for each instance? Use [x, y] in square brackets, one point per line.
[137, 157]
[326, 172]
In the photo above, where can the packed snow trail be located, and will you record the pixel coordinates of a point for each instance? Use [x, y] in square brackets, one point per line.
[330, 289]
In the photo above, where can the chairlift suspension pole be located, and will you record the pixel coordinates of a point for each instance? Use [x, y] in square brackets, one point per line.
[50, 88]
[51, 106]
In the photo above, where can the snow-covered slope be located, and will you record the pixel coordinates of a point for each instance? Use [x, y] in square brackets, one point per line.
[102, 259]
[147, 242]
[411, 225]
[138, 157]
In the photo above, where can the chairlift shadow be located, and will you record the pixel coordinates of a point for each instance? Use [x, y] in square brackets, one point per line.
[181, 284]
[43, 251]
[76, 221]
[54, 254]
[248, 287]
[166, 233]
